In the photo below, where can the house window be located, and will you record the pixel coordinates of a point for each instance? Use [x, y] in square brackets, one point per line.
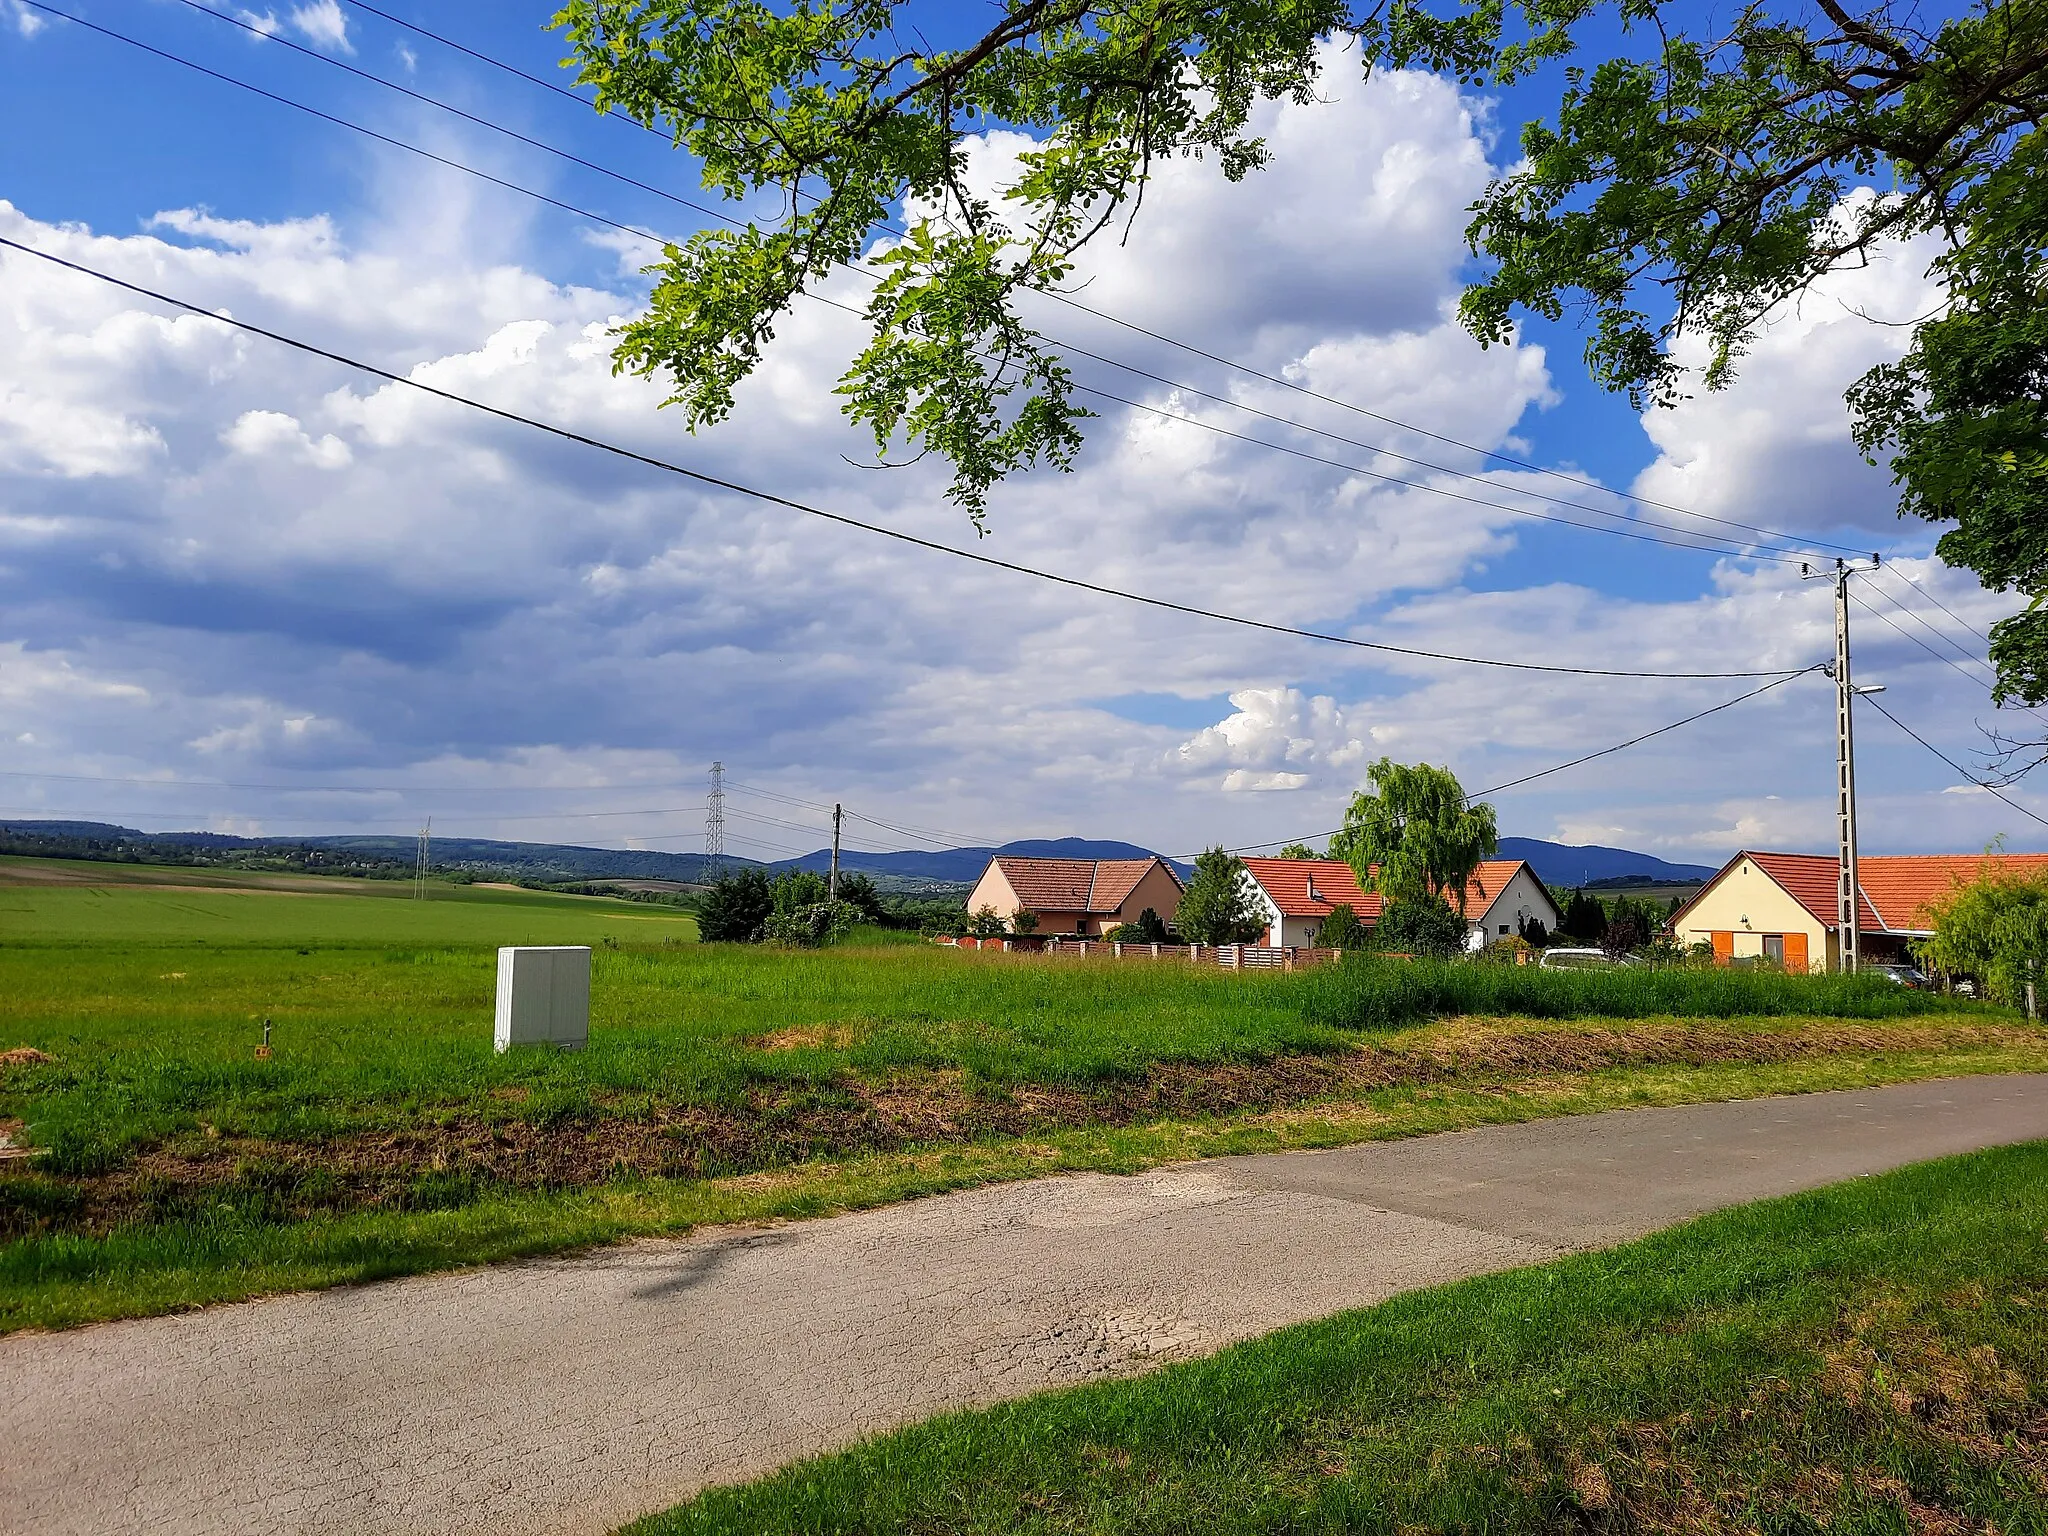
[1774, 948]
[1503, 928]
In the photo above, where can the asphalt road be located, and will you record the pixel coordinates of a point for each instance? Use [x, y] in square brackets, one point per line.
[571, 1395]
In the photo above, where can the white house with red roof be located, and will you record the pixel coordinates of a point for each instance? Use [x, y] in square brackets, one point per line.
[1081, 896]
[1781, 908]
[1297, 897]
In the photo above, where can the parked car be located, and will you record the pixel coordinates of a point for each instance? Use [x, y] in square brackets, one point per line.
[1907, 976]
[1582, 960]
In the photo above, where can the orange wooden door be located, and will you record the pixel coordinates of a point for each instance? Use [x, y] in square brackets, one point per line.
[1724, 945]
[1795, 953]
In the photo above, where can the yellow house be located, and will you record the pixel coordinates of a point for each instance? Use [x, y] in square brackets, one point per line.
[1781, 907]
[1084, 896]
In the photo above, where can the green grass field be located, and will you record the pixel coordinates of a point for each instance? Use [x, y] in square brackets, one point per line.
[384, 1135]
[47, 903]
[1871, 1358]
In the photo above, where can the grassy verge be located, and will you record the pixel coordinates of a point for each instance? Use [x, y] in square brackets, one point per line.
[230, 1253]
[1868, 1358]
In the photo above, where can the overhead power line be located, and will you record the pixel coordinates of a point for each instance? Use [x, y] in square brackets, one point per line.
[1437, 490]
[1077, 305]
[1871, 700]
[1968, 627]
[1723, 544]
[737, 488]
[1946, 661]
[1544, 773]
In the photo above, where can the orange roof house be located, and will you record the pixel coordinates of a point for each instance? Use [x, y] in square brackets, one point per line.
[1781, 907]
[1298, 895]
[1083, 896]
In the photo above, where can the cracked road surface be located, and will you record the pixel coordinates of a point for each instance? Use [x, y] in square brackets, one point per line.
[569, 1395]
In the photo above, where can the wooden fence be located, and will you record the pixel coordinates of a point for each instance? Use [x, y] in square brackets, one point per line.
[1235, 957]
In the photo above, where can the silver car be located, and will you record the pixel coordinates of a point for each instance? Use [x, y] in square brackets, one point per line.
[1582, 960]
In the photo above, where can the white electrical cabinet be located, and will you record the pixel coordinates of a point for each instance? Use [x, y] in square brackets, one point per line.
[544, 996]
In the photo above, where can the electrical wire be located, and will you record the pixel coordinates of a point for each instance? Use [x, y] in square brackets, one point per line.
[1871, 700]
[1726, 546]
[1075, 304]
[718, 482]
[1952, 665]
[1948, 661]
[1437, 490]
[1788, 555]
[424, 99]
[1944, 607]
[1530, 778]
[1946, 639]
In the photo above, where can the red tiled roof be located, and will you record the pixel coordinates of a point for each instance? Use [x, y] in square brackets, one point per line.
[1311, 887]
[1074, 885]
[1897, 888]
[1314, 887]
[1488, 881]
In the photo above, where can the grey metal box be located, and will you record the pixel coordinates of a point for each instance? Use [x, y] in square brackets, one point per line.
[544, 996]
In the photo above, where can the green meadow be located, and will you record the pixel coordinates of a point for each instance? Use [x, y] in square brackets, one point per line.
[166, 1164]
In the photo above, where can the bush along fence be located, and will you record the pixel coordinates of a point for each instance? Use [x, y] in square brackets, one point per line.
[1235, 957]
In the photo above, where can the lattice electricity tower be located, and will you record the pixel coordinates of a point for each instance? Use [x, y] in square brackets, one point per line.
[714, 817]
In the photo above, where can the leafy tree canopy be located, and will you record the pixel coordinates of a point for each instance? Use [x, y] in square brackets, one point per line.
[1298, 851]
[1412, 835]
[1701, 169]
[1996, 929]
[1216, 908]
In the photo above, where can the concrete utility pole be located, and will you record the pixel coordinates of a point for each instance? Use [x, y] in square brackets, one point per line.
[422, 861]
[1848, 887]
[832, 886]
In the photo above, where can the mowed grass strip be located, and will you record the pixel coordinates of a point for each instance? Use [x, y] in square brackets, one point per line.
[1868, 1358]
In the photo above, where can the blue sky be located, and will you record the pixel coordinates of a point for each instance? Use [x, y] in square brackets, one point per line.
[224, 565]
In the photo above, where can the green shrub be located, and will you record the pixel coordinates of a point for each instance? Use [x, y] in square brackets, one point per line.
[734, 909]
[1422, 927]
[1342, 929]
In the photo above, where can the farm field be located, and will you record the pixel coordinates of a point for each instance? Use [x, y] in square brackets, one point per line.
[48, 902]
[167, 1166]
[1871, 1357]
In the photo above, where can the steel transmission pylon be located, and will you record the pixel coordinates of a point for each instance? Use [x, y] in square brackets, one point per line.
[714, 818]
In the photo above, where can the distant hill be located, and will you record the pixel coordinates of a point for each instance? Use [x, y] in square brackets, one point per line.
[963, 866]
[1566, 864]
[1555, 863]
[484, 856]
